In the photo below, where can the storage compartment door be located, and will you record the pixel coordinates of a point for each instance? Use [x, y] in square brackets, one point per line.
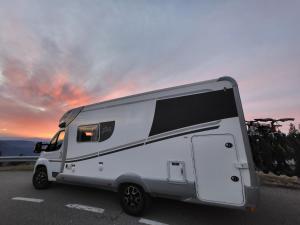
[176, 171]
[217, 178]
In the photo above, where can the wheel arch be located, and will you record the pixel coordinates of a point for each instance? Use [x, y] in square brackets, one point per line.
[130, 178]
[39, 180]
[42, 163]
[41, 166]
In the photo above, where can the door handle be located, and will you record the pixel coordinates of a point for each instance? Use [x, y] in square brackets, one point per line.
[234, 178]
[241, 165]
[228, 145]
[100, 166]
[73, 167]
[69, 166]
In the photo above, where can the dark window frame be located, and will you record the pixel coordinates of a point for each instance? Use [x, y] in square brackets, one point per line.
[113, 125]
[193, 109]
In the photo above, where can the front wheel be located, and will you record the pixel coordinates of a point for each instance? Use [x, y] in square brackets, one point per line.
[40, 178]
[133, 199]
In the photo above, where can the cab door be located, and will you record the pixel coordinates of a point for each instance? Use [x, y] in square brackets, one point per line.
[54, 152]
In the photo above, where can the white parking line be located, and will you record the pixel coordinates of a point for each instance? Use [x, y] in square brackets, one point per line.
[85, 207]
[28, 199]
[151, 222]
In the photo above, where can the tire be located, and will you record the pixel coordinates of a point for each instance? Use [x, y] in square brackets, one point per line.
[133, 199]
[40, 178]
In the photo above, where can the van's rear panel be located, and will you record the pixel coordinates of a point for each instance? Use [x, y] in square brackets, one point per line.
[245, 162]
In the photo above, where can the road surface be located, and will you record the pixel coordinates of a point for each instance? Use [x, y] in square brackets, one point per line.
[62, 204]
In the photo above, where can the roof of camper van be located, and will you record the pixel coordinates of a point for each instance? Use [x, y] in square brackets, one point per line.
[153, 94]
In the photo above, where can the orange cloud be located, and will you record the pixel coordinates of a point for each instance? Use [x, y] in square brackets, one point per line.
[31, 105]
[34, 104]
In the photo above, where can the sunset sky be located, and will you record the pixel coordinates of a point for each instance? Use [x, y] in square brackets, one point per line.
[56, 55]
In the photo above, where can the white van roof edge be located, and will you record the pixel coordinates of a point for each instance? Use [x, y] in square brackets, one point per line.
[122, 100]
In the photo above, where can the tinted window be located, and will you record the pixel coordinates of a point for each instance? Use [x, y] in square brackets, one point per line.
[179, 112]
[106, 130]
[87, 133]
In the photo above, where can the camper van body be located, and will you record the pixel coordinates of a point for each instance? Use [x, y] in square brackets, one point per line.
[187, 143]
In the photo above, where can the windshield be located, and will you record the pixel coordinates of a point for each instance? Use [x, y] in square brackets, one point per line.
[57, 141]
[60, 139]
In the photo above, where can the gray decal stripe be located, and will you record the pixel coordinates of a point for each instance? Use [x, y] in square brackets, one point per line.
[95, 154]
[106, 153]
[122, 149]
[89, 156]
[81, 159]
[84, 156]
[149, 142]
[185, 133]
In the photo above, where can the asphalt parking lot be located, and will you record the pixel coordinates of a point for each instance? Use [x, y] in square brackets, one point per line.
[66, 204]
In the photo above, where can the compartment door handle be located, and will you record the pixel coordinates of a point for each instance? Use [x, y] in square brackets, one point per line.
[241, 165]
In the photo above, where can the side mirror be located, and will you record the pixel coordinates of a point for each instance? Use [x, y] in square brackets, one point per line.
[38, 147]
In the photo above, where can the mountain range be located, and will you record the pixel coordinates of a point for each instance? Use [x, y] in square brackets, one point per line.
[13, 147]
[16, 147]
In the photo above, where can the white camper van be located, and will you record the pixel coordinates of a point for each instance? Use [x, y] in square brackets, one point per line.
[187, 142]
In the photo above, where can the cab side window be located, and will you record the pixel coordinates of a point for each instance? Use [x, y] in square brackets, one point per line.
[56, 142]
[60, 139]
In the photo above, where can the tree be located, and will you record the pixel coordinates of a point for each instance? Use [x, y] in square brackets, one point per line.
[293, 130]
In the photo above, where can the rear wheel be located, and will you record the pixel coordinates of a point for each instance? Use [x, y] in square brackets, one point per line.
[40, 178]
[133, 199]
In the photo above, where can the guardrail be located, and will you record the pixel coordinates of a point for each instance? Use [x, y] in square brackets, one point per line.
[18, 158]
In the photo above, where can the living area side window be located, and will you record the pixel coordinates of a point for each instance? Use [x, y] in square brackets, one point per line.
[88, 133]
[106, 130]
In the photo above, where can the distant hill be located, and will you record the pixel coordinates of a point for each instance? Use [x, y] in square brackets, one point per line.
[33, 139]
[17, 147]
